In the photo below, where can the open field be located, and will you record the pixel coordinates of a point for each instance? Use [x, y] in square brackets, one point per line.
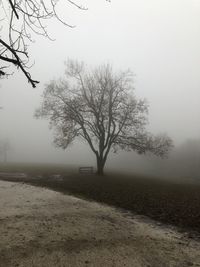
[38, 168]
[41, 227]
[171, 203]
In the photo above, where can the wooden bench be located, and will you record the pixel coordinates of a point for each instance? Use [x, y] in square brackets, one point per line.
[86, 170]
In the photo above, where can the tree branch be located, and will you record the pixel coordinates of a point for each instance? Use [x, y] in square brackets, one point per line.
[13, 8]
[17, 62]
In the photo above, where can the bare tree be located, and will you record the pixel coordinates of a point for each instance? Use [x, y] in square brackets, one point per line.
[19, 20]
[99, 106]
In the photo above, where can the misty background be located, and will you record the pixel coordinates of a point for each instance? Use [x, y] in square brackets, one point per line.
[158, 40]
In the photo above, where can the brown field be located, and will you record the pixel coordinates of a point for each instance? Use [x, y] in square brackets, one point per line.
[172, 203]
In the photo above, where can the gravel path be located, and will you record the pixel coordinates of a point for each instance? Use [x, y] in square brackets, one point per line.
[40, 227]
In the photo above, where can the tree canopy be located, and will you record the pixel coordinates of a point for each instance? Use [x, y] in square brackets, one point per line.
[99, 106]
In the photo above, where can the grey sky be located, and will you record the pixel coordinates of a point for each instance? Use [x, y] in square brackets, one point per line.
[159, 40]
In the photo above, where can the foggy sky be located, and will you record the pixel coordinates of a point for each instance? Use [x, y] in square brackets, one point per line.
[158, 40]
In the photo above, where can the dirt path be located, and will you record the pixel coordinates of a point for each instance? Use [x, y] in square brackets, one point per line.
[40, 227]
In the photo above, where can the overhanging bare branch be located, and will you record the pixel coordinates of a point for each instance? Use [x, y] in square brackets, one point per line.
[23, 19]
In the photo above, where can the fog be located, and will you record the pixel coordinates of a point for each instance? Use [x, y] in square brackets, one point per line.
[158, 40]
[182, 165]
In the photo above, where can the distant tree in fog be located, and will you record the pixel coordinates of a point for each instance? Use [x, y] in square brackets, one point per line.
[99, 106]
[4, 149]
[19, 21]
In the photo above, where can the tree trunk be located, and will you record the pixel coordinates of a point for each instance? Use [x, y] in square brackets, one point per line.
[100, 166]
